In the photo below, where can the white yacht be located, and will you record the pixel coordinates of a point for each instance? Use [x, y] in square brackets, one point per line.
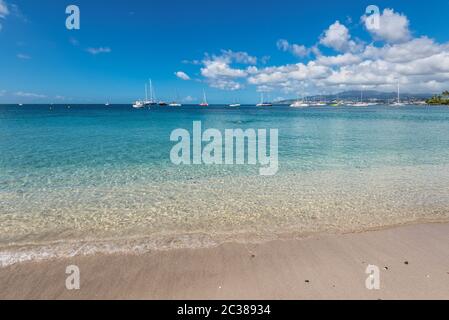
[138, 104]
[361, 104]
[235, 104]
[174, 103]
[263, 103]
[299, 104]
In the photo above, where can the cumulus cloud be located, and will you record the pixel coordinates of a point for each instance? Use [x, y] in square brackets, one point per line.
[182, 75]
[419, 64]
[288, 78]
[226, 84]
[219, 73]
[339, 60]
[338, 38]
[217, 68]
[393, 27]
[95, 51]
[295, 49]
[238, 57]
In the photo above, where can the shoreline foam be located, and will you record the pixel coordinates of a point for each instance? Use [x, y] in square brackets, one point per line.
[28, 253]
[413, 262]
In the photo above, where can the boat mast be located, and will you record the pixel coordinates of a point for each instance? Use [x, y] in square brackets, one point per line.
[399, 99]
[153, 94]
[151, 91]
[204, 97]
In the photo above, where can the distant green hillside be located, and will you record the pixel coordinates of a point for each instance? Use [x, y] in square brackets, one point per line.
[367, 95]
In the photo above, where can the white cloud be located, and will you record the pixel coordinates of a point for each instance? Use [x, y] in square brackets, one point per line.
[342, 59]
[218, 71]
[182, 75]
[420, 64]
[4, 11]
[219, 68]
[238, 57]
[338, 38]
[265, 59]
[408, 51]
[295, 49]
[99, 50]
[194, 62]
[393, 27]
[23, 56]
[29, 95]
[225, 84]
[289, 77]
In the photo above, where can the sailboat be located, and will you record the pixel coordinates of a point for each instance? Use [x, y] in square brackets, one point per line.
[107, 104]
[235, 104]
[300, 103]
[398, 102]
[138, 104]
[361, 103]
[150, 102]
[174, 103]
[161, 103]
[204, 103]
[262, 103]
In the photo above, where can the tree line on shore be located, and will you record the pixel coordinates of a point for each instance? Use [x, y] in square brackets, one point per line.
[440, 99]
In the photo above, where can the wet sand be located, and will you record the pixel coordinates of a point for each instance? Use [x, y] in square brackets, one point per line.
[413, 262]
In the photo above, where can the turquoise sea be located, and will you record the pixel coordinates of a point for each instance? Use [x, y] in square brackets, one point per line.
[92, 178]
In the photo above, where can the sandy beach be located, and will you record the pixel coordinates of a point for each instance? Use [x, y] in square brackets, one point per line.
[413, 262]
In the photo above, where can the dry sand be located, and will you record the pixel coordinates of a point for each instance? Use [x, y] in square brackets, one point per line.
[414, 264]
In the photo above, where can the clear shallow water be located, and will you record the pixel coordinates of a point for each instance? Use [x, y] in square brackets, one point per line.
[92, 178]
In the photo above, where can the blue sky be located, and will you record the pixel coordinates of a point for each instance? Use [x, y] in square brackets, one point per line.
[232, 49]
